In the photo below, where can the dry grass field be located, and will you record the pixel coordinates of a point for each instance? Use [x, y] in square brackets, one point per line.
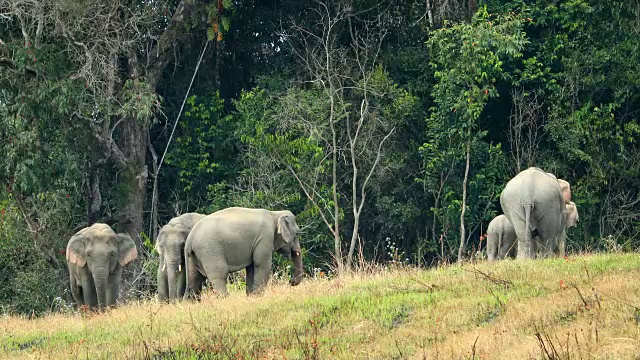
[585, 307]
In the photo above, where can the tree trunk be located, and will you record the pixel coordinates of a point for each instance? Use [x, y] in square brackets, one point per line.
[337, 243]
[133, 143]
[464, 198]
[94, 198]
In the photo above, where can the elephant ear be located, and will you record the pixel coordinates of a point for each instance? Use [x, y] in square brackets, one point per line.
[159, 242]
[127, 251]
[285, 228]
[565, 188]
[75, 250]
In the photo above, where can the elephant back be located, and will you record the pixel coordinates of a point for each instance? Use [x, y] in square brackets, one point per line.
[188, 220]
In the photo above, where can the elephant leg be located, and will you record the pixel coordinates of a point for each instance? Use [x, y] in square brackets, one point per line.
[89, 291]
[76, 291]
[561, 243]
[262, 273]
[195, 280]
[492, 247]
[163, 286]
[250, 278]
[219, 280]
[113, 286]
[217, 271]
[182, 282]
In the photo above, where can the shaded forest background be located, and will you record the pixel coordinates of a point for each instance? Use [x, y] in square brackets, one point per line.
[388, 127]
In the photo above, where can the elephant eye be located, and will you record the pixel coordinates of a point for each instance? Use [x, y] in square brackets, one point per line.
[112, 253]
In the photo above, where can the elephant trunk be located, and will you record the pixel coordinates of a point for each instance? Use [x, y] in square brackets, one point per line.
[100, 279]
[296, 257]
[172, 269]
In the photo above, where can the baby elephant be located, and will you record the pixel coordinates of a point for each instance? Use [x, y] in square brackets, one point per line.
[170, 246]
[501, 239]
[95, 257]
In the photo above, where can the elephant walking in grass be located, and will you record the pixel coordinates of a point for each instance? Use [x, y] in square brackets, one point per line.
[238, 238]
[501, 239]
[170, 245]
[534, 204]
[95, 257]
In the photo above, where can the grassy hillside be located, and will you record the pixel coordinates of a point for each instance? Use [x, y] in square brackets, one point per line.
[581, 307]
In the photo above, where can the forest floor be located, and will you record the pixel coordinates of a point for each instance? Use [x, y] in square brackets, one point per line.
[563, 308]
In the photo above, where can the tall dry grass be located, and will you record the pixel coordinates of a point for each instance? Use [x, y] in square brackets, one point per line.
[582, 307]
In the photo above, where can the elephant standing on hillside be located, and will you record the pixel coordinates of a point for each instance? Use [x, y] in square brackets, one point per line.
[534, 204]
[501, 239]
[240, 238]
[571, 220]
[170, 245]
[95, 257]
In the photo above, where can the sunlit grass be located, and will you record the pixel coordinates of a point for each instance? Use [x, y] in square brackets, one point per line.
[583, 306]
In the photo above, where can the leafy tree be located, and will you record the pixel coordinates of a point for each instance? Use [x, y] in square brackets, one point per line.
[468, 59]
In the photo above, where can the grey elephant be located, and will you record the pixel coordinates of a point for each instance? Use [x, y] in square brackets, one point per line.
[534, 204]
[95, 257]
[238, 238]
[571, 220]
[170, 245]
[565, 188]
[501, 239]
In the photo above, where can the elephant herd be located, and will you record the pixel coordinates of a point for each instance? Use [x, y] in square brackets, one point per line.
[192, 247]
[537, 210]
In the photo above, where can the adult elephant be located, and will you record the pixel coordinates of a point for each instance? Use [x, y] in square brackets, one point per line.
[240, 238]
[533, 203]
[501, 239]
[170, 245]
[95, 257]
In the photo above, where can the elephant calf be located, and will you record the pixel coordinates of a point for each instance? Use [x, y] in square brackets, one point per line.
[170, 246]
[95, 257]
[501, 239]
[238, 238]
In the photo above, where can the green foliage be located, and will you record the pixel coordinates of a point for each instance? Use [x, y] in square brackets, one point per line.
[256, 129]
[32, 252]
[272, 154]
[468, 60]
[203, 152]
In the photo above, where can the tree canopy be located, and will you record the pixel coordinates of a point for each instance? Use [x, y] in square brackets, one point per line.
[388, 128]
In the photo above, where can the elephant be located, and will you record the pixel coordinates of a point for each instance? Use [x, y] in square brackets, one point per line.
[95, 257]
[170, 246]
[571, 220]
[565, 188]
[238, 238]
[572, 215]
[501, 239]
[534, 204]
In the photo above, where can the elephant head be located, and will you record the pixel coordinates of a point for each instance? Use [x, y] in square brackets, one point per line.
[565, 188]
[287, 243]
[572, 215]
[102, 251]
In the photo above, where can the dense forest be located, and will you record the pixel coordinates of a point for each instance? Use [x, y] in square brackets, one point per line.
[388, 127]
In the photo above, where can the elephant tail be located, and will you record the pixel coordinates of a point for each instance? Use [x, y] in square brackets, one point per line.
[528, 240]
